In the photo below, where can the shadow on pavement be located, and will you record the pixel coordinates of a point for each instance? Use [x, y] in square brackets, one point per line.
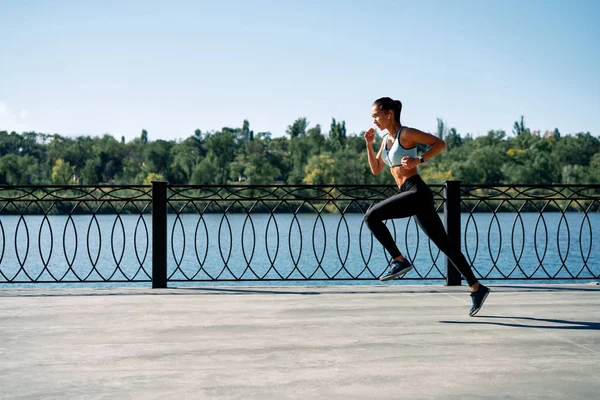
[556, 323]
[153, 292]
[549, 288]
[250, 291]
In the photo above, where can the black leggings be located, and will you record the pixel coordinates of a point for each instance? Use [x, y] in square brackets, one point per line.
[415, 198]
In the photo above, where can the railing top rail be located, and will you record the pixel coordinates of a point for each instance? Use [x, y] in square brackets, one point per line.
[4, 186]
[516, 185]
[76, 193]
[533, 186]
[290, 186]
[530, 192]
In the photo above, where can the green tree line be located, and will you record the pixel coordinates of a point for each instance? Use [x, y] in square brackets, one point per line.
[305, 155]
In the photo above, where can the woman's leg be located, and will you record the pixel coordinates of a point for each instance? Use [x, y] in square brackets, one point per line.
[401, 205]
[429, 220]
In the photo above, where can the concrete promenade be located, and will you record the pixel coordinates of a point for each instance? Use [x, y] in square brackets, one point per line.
[344, 342]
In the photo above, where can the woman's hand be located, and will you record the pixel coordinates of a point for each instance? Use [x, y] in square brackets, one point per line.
[410, 162]
[370, 136]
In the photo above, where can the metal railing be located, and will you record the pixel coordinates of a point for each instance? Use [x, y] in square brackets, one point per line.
[291, 233]
[49, 221]
[236, 233]
[551, 231]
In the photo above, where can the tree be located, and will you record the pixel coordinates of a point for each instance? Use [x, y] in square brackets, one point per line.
[573, 174]
[206, 172]
[351, 167]
[482, 166]
[299, 154]
[298, 128]
[10, 143]
[441, 129]
[221, 149]
[277, 152]
[264, 136]
[186, 155]
[157, 156]
[257, 170]
[247, 134]
[316, 139]
[594, 170]
[528, 161]
[89, 173]
[110, 154]
[21, 170]
[151, 177]
[519, 127]
[435, 175]
[453, 139]
[63, 173]
[303, 155]
[320, 170]
[337, 134]
[576, 150]
[110, 170]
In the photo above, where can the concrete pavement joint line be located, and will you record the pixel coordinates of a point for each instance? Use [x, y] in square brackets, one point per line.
[536, 329]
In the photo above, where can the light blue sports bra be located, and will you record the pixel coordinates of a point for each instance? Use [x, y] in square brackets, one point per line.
[393, 156]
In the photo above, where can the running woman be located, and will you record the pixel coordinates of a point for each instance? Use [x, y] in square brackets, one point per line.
[399, 152]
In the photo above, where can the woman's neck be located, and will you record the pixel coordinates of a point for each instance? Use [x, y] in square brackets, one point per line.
[393, 130]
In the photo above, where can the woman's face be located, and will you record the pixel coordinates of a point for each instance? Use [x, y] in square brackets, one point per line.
[382, 119]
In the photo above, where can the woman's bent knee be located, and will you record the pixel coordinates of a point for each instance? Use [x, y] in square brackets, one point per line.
[369, 217]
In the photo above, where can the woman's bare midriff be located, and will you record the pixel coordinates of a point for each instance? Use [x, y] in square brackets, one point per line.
[401, 174]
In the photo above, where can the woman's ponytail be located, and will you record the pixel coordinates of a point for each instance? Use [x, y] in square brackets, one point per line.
[387, 104]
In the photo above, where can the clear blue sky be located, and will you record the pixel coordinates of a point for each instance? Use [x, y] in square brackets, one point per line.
[94, 67]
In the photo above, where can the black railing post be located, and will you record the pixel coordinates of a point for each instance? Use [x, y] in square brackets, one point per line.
[159, 234]
[452, 220]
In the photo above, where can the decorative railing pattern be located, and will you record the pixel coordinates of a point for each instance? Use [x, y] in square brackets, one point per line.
[233, 233]
[551, 231]
[66, 234]
[276, 233]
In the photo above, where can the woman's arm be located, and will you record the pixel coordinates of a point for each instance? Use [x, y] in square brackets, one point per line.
[415, 136]
[375, 161]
